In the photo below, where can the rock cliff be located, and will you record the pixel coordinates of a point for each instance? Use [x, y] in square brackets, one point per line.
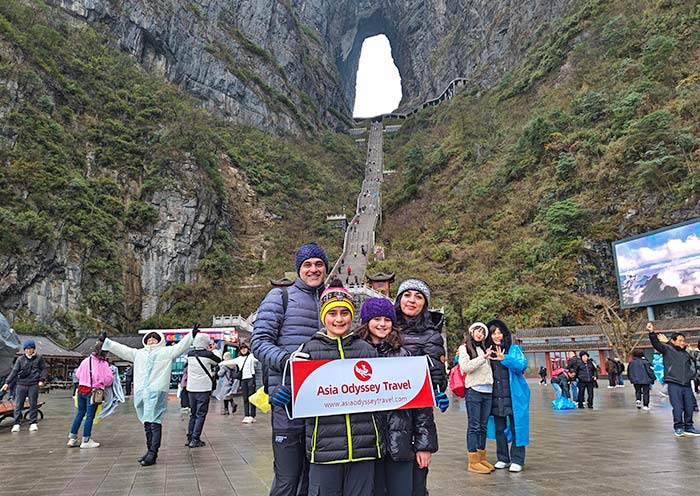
[251, 61]
[433, 41]
[58, 278]
[285, 66]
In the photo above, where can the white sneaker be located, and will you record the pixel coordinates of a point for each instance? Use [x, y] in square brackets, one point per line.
[500, 465]
[610, 387]
[246, 420]
[33, 428]
[253, 420]
[89, 444]
[15, 428]
[514, 467]
[645, 408]
[72, 443]
[638, 403]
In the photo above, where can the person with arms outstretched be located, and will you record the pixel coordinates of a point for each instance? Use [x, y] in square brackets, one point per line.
[153, 365]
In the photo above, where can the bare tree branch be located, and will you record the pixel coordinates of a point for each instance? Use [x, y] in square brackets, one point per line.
[622, 328]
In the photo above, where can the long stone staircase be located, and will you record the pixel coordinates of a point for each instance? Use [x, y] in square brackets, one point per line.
[359, 236]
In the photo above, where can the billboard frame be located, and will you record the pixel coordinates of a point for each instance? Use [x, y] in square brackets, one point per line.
[644, 235]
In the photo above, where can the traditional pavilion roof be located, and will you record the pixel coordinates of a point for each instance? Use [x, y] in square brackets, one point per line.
[382, 277]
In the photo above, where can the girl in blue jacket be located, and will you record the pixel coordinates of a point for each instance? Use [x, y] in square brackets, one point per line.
[511, 397]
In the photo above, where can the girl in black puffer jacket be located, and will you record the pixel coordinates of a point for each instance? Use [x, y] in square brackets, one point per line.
[410, 436]
[341, 448]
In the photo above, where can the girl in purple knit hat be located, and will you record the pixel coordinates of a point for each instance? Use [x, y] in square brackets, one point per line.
[410, 435]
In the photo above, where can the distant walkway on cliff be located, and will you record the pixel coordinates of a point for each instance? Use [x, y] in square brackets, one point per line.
[447, 94]
[359, 236]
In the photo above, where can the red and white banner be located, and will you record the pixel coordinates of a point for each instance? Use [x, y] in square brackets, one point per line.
[332, 387]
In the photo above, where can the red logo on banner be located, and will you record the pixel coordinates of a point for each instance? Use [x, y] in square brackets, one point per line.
[363, 371]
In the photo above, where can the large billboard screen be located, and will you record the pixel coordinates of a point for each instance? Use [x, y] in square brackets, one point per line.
[661, 266]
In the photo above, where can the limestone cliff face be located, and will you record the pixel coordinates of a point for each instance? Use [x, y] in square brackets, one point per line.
[168, 253]
[251, 61]
[433, 41]
[285, 66]
[55, 277]
[54, 280]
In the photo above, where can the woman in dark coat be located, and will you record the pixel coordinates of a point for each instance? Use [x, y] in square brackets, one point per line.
[510, 404]
[410, 435]
[421, 333]
[641, 374]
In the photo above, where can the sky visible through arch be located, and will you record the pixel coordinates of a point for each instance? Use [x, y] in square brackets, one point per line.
[378, 87]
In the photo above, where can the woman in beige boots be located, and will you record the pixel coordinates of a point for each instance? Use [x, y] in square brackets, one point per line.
[474, 362]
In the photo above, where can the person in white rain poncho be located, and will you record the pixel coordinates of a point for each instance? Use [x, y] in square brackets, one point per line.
[153, 365]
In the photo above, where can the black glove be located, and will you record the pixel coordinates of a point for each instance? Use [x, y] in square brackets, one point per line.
[195, 330]
[281, 396]
[102, 337]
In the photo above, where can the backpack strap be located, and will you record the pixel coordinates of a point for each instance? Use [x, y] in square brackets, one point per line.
[285, 301]
[209, 375]
[243, 364]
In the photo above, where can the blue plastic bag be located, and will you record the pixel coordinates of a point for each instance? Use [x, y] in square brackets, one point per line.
[563, 404]
[658, 365]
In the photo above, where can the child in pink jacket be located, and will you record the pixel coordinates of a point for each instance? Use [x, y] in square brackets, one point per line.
[93, 373]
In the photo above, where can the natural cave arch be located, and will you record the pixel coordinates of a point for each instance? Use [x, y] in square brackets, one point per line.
[378, 88]
[348, 59]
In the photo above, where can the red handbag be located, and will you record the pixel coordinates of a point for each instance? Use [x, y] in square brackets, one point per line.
[457, 381]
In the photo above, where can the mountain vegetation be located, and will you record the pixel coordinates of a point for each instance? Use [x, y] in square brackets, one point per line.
[87, 138]
[507, 200]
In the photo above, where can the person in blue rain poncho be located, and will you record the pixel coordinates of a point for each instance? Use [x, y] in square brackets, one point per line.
[657, 363]
[114, 395]
[153, 366]
[510, 404]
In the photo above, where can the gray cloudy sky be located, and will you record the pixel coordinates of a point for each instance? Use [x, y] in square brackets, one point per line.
[378, 88]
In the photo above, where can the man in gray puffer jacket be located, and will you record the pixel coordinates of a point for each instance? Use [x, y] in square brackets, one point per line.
[288, 318]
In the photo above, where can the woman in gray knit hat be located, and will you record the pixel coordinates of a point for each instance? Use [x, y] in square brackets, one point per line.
[421, 332]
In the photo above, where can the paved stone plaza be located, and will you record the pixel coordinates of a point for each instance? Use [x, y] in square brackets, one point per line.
[614, 449]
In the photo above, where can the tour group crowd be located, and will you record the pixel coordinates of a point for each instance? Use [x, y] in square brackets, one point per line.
[357, 454]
